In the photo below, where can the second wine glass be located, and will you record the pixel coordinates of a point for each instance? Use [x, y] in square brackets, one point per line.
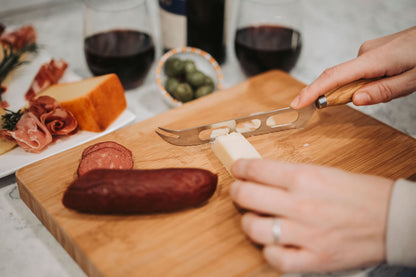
[118, 39]
[268, 35]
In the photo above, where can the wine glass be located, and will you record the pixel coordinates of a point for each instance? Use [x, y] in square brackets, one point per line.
[118, 39]
[268, 35]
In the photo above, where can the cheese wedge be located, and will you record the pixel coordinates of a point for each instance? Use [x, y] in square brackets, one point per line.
[232, 147]
[95, 102]
[5, 145]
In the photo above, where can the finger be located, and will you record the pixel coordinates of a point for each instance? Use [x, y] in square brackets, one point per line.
[375, 43]
[386, 89]
[268, 172]
[260, 229]
[259, 198]
[332, 78]
[369, 64]
[290, 259]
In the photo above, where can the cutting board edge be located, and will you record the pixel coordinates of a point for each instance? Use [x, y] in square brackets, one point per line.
[58, 233]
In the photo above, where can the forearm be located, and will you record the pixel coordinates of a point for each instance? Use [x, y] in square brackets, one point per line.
[401, 225]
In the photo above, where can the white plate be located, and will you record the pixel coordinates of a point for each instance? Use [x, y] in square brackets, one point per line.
[17, 83]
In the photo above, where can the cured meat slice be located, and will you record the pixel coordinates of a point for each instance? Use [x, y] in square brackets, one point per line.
[31, 134]
[103, 144]
[105, 158]
[4, 104]
[48, 74]
[19, 38]
[42, 105]
[58, 120]
[40, 123]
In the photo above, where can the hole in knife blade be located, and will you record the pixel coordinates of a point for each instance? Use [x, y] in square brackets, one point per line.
[214, 132]
[283, 118]
[248, 126]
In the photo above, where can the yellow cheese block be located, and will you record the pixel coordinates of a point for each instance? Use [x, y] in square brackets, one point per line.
[95, 102]
[232, 147]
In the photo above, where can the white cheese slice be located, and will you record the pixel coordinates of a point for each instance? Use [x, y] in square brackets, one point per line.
[232, 147]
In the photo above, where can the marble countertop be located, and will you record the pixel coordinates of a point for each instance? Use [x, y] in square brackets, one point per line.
[333, 32]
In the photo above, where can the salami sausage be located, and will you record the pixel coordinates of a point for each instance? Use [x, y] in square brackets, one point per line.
[103, 144]
[106, 157]
[106, 191]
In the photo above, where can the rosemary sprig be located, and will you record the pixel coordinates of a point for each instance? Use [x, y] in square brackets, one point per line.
[11, 118]
[11, 58]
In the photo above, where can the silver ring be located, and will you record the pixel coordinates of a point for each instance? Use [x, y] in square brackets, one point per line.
[276, 230]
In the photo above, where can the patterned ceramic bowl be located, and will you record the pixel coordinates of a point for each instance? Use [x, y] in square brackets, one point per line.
[204, 62]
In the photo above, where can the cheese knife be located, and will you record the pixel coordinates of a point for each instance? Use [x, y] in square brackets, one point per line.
[262, 123]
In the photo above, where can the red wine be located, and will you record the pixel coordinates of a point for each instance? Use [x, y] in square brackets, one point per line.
[266, 47]
[127, 53]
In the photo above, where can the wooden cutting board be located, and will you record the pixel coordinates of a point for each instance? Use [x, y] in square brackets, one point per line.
[207, 240]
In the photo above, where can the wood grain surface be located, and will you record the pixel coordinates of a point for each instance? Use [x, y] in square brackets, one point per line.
[207, 240]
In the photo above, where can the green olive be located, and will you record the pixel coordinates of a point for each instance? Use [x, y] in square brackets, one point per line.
[208, 81]
[196, 78]
[183, 92]
[174, 67]
[204, 90]
[189, 66]
[171, 84]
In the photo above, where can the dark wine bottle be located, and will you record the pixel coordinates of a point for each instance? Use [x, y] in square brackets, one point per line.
[196, 23]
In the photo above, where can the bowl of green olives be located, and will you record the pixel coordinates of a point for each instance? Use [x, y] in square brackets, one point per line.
[188, 73]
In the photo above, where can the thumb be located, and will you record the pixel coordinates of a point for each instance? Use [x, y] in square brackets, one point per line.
[386, 89]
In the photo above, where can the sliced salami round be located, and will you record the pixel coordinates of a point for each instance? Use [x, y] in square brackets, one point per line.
[105, 158]
[103, 144]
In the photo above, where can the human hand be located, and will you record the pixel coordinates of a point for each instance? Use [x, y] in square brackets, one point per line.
[329, 219]
[392, 57]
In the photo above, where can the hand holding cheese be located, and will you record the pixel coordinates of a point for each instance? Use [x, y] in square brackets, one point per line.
[329, 219]
[392, 57]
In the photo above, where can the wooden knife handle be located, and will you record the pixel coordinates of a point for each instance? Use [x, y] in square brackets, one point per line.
[343, 95]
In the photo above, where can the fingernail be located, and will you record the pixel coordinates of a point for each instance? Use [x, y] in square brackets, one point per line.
[361, 98]
[295, 102]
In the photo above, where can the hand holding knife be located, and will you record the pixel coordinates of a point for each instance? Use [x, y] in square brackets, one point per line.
[191, 136]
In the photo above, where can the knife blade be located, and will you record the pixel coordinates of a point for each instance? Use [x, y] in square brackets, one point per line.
[262, 123]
